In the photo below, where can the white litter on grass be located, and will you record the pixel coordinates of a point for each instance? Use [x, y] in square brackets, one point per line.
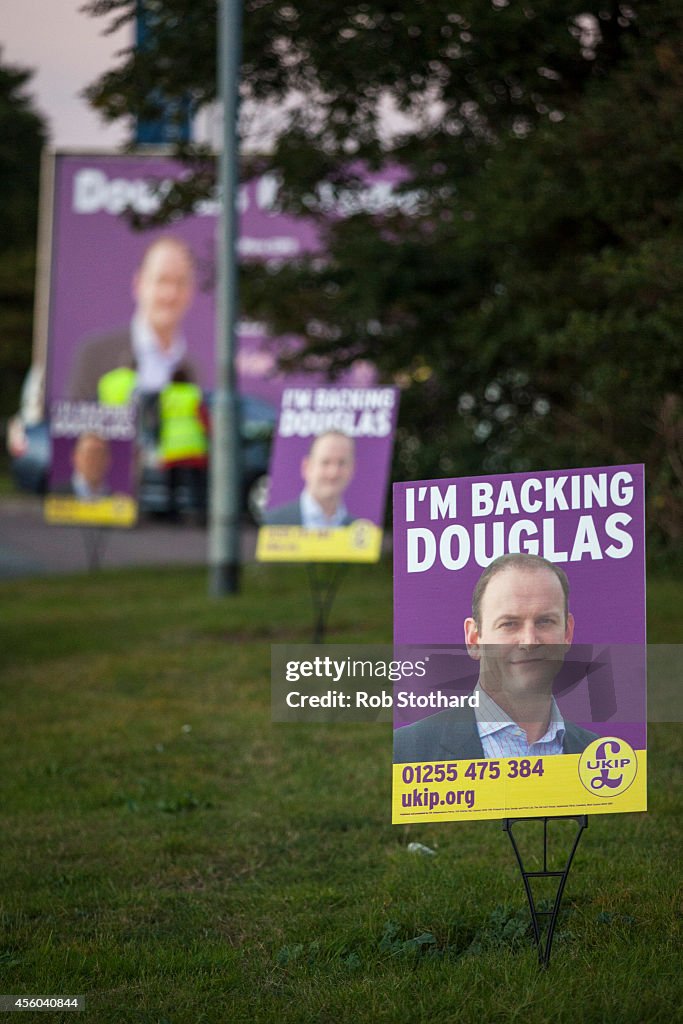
[426, 851]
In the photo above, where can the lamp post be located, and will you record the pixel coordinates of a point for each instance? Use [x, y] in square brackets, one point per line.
[225, 476]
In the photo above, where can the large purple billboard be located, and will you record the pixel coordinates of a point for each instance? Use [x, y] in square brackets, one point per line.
[95, 319]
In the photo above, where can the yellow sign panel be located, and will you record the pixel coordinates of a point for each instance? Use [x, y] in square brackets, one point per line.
[608, 778]
[117, 510]
[359, 542]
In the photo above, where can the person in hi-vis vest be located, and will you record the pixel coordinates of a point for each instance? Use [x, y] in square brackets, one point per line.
[117, 387]
[183, 443]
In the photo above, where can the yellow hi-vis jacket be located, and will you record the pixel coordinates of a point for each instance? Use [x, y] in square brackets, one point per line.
[117, 386]
[181, 434]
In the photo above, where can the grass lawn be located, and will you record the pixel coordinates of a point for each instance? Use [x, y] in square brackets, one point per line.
[175, 857]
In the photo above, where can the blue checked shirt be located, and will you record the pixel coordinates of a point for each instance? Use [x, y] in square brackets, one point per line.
[501, 737]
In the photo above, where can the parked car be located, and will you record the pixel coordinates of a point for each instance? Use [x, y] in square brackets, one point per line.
[29, 446]
[29, 449]
[28, 437]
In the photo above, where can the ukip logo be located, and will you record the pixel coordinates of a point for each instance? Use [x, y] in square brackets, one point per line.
[608, 766]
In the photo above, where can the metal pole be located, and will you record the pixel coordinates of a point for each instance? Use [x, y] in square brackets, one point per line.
[544, 946]
[225, 479]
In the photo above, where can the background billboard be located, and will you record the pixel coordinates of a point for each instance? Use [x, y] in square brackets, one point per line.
[94, 253]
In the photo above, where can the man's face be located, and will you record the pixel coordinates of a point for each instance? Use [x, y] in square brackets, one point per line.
[91, 459]
[164, 287]
[328, 469]
[523, 636]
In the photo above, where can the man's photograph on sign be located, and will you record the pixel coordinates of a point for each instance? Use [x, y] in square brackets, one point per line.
[526, 594]
[92, 471]
[149, 308]
[329, 474]
[144, 354]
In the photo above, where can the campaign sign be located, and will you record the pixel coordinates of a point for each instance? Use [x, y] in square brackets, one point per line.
[329, 473]
[90, 296]
[526, 596]
[91, 479]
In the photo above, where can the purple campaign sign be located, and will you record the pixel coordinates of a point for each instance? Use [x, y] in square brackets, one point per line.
[95, 254]
[366, 414]
[119, 478]
[113, 431]
[588, 521]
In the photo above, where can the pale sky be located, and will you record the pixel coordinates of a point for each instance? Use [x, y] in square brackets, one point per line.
[67, 50]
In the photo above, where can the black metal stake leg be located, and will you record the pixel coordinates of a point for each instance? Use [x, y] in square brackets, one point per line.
[537, 915]
[95, 541]
[324, 589]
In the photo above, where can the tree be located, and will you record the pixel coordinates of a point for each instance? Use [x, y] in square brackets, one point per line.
[527, 293]
[22, 136]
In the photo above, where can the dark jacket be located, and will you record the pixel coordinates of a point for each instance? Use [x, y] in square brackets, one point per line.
[452, 735]
[290, 515]
[101, 354]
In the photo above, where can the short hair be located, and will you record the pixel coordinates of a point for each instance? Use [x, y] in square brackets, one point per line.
[173, 240]
[516, 560]
[331, 433]
[91, 435]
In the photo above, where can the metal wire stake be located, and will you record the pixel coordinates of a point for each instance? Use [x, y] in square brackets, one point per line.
[537, 916]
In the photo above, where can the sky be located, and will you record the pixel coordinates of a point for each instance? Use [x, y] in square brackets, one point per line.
[67, 50]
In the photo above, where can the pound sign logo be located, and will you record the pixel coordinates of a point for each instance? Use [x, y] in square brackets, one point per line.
[608, 766]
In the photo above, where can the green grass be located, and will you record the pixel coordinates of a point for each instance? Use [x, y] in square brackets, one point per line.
[7, 485]
[170, 853]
